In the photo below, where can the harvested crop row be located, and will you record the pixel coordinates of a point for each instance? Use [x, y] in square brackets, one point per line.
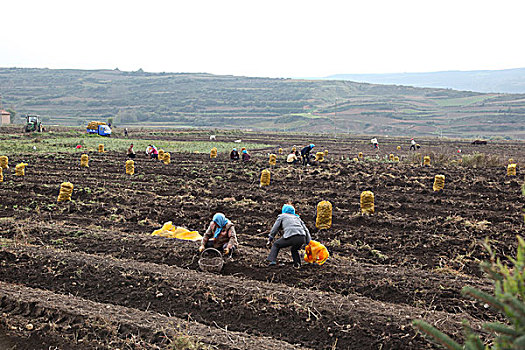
[433, 290]
[89, 324]
[315, 319]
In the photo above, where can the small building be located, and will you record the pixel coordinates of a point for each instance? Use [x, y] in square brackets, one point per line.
[6, 117]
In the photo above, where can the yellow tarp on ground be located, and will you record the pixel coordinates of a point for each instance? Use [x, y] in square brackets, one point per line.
[315, 252]
[168, 230]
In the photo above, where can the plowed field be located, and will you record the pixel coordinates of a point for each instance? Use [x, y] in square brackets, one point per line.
[87, 274]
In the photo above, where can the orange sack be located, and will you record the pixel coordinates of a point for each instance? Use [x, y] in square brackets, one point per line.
[316, 252]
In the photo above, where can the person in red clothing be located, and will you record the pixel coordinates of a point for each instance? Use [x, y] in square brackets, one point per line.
[245, 156]
[153, 152]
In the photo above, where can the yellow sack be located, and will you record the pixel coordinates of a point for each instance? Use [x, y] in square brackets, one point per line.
[20, 169]
[360, 155]
[511, 161]
[280, 151]
[426, 161]
[66, 189]
[3, 162]
[391, 157]
[325, 152]
[168, 230]
[1, 174]
[367, 202]
[213, 152]
[324, 215]
[161, 154]
[355, 160]
[130, 167]
[294, 149]
[273, 159]
[398, 148]
[439, 183]
[396, 159]
[100, 148]
[319, 157]
[84, 161]
[511, 170]
[167, 158]
[265, 178]
[315, 252]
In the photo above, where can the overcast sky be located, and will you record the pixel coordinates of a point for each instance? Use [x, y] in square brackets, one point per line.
[264, 38]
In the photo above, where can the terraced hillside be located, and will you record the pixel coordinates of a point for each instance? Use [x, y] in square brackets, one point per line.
[74, 97]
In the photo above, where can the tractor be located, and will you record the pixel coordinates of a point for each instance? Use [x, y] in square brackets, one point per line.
[33, 123]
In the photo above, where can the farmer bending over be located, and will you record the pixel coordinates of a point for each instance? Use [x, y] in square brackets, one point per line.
[131, 152]
[234, 155]
[295, 235]
[220, 235]
[292, 158]
[305, 153]
[245, 156]
[152, 152]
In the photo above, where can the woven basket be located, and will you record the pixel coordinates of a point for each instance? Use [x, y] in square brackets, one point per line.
[211, 260]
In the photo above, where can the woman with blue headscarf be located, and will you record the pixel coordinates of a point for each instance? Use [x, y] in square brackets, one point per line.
[234, 155]
[295, 234]
[220, 235]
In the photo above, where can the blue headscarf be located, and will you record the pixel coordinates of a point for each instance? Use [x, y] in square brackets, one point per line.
[312, 145]
[288, 209]
[221, 221]
[244, 151]
[235, 149]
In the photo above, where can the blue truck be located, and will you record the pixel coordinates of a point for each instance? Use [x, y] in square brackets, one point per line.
[99, 128]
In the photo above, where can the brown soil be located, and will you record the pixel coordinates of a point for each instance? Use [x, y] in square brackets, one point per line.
[91, 266]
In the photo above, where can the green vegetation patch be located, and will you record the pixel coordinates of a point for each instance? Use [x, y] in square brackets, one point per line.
[91, 142]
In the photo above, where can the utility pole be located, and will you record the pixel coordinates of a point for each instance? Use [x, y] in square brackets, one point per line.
[335, 118]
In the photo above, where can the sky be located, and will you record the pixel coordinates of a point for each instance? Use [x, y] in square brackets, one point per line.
[284, 38]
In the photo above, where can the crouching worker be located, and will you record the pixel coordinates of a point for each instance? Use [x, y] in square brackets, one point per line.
[295, 234]
[220, 235]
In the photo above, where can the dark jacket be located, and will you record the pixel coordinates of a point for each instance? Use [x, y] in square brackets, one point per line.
[292, 225]
[306, 151]
[227, 235]
[245, 157]
[234, 155]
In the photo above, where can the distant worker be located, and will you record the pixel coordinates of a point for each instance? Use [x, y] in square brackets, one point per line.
[126, 132]
[152, 151]
[245, 156]
[131, 152]
[295, 234]
[234, 155]
[305, 153]
[220, 235]
[375, 143]
[412, 144]
[292, 158]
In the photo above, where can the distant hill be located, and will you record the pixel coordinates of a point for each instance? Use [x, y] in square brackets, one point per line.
[498, 81]
[75, 97]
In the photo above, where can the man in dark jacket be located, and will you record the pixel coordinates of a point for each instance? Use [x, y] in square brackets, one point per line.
[305, 153]
[295, 234]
